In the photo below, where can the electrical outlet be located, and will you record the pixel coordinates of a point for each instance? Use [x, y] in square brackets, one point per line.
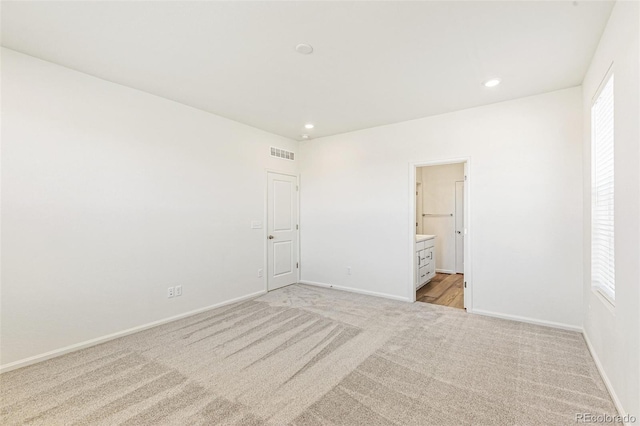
[170, 292]
[178, 290]
[348, 270]
[259, 273]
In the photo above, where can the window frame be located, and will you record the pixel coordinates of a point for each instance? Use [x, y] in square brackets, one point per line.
[602, 290]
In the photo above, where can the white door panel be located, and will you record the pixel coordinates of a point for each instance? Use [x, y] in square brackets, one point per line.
[282, 219]
[282, 205]
[459, 227]
[282, 258]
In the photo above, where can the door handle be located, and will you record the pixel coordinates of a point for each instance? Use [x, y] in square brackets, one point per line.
[271, 237]
[458, 232]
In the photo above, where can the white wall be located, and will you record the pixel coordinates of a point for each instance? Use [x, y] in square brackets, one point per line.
[526, 206]
[439, 197]
[111, 195]
[614, 332]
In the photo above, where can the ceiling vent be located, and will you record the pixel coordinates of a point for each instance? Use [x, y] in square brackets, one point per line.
[281, 153]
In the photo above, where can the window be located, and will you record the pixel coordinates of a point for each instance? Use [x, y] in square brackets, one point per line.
[602, 184]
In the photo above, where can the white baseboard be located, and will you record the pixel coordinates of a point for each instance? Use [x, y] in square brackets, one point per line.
[92, 342]
[605, 378]
[446, 271]
[527, 320]
[355, 290]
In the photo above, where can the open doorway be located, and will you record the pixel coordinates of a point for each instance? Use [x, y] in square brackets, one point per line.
[441, 215]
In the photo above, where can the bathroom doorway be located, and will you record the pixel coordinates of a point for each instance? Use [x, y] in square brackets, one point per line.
[440, 235]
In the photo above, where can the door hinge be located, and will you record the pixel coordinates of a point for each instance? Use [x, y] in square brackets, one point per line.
[465, 177]
[297, 265]
[465, 284]
[296, 187]
[297, 227]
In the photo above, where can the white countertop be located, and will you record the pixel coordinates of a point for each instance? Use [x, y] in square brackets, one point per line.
[421, 237]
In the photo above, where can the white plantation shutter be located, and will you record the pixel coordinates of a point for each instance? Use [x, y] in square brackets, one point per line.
[602, 181]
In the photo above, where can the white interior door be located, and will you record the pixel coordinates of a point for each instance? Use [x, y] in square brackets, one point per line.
[418, 204]
[459, 227]
[282, 233]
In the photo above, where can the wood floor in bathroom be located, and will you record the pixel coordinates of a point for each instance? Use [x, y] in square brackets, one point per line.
[444, 289]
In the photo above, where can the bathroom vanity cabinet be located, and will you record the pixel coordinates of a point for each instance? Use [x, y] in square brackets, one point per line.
[425, 259]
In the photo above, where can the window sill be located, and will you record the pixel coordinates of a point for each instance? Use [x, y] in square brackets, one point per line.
[604, 299]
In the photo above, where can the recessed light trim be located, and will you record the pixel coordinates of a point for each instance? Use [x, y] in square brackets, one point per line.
[305, 136]
[309, 126]
[304, 49]
[492, 82]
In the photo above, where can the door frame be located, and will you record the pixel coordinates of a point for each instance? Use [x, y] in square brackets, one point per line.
[265, 221]
[468, 275]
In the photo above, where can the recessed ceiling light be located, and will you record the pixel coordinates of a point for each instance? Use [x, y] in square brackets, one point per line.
[492, 82]
[305, 136]
[305, 49]
[308, 126]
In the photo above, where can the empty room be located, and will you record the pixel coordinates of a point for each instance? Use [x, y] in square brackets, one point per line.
[320, 212]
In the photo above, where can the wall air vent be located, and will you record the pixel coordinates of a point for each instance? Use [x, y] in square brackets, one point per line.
[281, 153]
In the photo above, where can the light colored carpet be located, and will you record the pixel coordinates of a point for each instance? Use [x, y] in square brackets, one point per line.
[312, 356]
